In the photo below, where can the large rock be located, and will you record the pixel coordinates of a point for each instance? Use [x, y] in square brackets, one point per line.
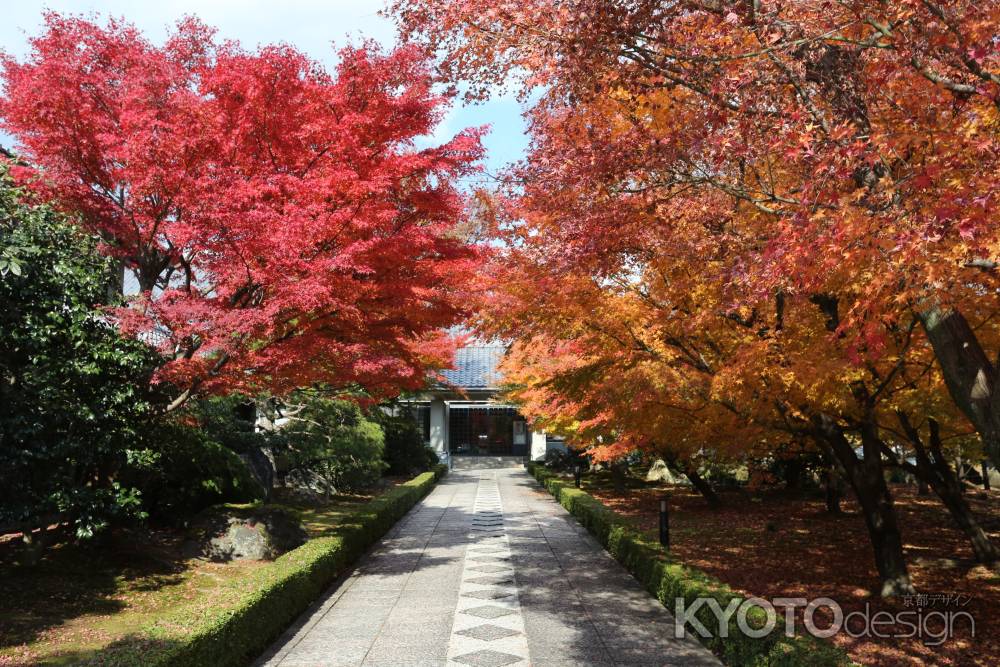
[261, 465]
[238, 533]
[305, 483]
[659, 472]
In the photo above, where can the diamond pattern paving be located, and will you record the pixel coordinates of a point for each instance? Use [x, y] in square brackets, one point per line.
[488, 594]
[466, 587]
[488, 658]
[488, 632]
[491, 568]
[494, 580]
[489, 611]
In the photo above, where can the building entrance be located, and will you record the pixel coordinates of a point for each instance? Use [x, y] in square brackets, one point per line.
[486, 431]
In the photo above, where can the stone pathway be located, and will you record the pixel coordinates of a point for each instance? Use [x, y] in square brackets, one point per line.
[488, 570]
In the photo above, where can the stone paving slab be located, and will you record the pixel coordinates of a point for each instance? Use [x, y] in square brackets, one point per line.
[489, 571]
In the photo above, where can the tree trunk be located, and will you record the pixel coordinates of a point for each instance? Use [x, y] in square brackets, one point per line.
[948, 487]
[703, 487]
[922, 489]
[700, 484]
[968, 373]
[116, 281]
[793, 475]
[619, 470]
[983, 549]
[834, 491]
[867, 479]
[960, 473]
[986, 475]
[887, 541]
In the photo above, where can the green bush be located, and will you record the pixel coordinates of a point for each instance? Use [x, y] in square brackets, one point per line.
[229, 421]
[72, 388]
[332, 439]
[668, 579]
[277, 594]
[182, 471]
[405, 451]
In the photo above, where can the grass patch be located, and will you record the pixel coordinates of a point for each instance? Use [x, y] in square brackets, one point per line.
[142, 604]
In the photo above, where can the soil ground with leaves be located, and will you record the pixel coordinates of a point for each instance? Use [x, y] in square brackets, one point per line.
[87, 604]
[781, 544]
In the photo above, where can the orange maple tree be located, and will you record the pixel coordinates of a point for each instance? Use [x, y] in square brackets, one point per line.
[781, 210]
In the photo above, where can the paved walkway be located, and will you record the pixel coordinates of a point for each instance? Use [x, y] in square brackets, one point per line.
[488, 570]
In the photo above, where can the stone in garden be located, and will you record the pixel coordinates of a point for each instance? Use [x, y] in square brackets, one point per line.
[308, 484]
[261, 465]
[245, 533]
[659, 472]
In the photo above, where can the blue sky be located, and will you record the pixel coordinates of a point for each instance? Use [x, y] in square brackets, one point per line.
[316, 27]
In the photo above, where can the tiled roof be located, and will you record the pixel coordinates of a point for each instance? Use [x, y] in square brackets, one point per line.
[476, 367]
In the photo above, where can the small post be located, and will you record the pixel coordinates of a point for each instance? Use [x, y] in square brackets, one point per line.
[664, 523]
[986, 475]
[577, 471]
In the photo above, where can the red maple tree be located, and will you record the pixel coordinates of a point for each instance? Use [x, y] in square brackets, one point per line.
[280, 223]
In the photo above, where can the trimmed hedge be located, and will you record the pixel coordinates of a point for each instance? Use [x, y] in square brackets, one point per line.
[668, 579]
[278, 594]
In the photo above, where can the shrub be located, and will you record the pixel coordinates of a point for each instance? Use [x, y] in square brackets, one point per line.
[72, 390]
[405, 450]
[332, 440]
[668, 579]
[182, 471]
[231, 422]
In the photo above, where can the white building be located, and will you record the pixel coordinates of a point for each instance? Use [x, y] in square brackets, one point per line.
[464, 417]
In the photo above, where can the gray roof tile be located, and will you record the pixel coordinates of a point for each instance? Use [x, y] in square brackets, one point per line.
[476, 367]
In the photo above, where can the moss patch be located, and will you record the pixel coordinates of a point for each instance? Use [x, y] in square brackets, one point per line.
[107, 607]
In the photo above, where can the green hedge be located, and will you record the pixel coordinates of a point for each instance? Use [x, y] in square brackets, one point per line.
[668, 579]
[278, 594]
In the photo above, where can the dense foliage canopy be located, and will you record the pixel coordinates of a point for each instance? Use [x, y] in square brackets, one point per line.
[278, 221]
[745, 225]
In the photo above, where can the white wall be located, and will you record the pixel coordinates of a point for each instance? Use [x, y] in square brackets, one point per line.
[439, 427]
[538, 445]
